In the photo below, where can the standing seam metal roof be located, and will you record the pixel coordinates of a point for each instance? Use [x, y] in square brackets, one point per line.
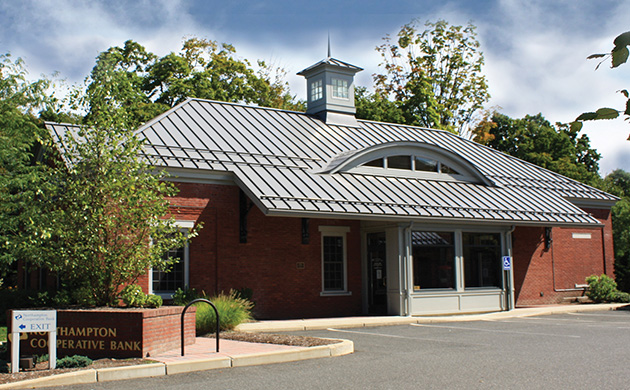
[275, 156]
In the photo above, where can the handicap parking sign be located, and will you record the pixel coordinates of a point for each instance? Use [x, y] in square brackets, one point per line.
[507, 263]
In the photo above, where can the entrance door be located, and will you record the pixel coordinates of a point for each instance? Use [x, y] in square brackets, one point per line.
[377, 294]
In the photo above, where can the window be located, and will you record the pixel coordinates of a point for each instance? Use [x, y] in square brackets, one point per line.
[482, 259]
[433, 259]
[316, 90]
[334, 280]
[165, 283]
[411, 163]
[426, 165]
[399, 162]
[340, 88]
[168, 282]
[378, 163]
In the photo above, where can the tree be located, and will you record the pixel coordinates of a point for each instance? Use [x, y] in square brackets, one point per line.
[23, 182]
[534, 139]
[96, 213]
[149, 85]
[377, 107]
[434, 75]
[618, 55]
[618, 183]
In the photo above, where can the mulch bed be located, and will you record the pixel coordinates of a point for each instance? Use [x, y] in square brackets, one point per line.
[41, 369]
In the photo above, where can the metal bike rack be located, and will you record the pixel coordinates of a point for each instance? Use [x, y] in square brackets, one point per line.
[215, 312]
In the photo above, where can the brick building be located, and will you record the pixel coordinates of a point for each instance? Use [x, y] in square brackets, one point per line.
[321, 214]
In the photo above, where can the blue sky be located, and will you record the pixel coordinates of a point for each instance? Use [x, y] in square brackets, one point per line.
[535, 50]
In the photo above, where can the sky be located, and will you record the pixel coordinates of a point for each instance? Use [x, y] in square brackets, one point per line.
[535, 50]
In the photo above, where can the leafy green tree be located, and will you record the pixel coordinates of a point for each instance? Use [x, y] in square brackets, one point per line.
[534, 139]
[376, 107]
[435, 76]
[618, 55]
[23, 184]
[618, 183]
[148, 85]
[109, 217]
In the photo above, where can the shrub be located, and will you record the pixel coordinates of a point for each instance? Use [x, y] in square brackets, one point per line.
[153, 301]
[133, 296]
[232, 309]
[4, 367]
[182, 297]
[75, 361]
[604, 289]
[622, 297]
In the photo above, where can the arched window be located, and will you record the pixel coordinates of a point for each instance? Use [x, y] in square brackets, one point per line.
[407, 159]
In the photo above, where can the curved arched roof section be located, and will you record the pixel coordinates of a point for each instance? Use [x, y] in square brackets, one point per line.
[353, 159]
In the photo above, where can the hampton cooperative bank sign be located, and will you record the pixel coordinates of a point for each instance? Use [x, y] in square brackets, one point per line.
[110, 332]
[85, 338]
[95, 334]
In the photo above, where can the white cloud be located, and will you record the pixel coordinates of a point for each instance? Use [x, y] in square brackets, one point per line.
[535, 50]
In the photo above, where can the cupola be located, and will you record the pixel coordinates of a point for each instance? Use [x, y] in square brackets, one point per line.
[330, 91]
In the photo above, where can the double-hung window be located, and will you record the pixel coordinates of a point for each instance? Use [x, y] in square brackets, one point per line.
[334, 260]
[166, 282]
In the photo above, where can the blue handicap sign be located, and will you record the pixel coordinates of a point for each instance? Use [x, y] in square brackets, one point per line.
[507, 263]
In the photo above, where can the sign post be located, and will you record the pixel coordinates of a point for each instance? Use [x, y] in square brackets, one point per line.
[24, 321]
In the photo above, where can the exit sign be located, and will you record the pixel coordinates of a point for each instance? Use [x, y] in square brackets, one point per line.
[23, 321]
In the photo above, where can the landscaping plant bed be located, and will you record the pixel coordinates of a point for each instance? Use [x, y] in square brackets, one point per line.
[268, 338]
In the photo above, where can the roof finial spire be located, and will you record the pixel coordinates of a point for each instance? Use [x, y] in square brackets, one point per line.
[329, 56]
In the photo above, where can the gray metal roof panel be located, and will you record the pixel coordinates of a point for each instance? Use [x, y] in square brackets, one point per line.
[276, 155]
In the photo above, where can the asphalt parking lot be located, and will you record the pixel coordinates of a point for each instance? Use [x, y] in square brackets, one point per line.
[574, 351]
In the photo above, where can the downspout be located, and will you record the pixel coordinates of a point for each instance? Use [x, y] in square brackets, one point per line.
[216, 250]
[510, 300]
[407, 243]
[604, 249]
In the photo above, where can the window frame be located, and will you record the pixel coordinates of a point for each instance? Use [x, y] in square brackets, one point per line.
[316, 90]
[334, 231]
[460, 261]
[185, 227]
[340, 85]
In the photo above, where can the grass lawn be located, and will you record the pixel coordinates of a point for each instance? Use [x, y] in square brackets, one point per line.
[3, 333]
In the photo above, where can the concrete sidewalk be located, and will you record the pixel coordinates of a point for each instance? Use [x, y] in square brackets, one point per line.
[202, 356]
[359, 322]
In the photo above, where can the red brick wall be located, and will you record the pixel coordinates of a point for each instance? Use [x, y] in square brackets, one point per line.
[267, 263]
[540, 274]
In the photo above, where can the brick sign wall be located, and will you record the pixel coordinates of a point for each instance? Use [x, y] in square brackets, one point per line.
[115, 333]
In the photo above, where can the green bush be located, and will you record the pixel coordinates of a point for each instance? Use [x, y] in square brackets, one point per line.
[182, 297]
[4, 366]
[133, 296]
[622, 297]
[604, 289]
[232, 311]
[75, 361]
[153, 301]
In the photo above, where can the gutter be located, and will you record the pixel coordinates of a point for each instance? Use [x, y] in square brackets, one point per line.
[407, 273]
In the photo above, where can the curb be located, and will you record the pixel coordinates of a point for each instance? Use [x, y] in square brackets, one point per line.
[361, 322]
[345, 347]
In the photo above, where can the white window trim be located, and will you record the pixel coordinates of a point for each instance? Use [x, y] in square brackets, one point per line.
[335, 231]
[319, 85]
[459, 257]
[345, 87]
[185, 226]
